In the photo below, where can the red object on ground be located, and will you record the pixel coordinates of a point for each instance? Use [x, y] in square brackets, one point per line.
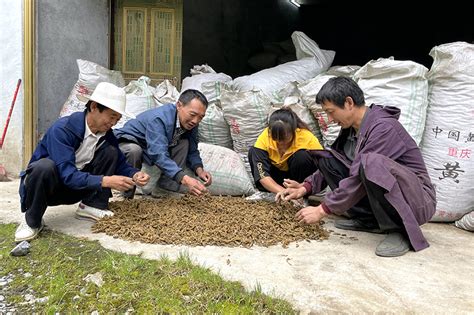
[10, 114]
[3, 171]
[3, 174]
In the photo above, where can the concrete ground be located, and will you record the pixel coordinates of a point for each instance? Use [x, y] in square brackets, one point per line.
[338, 275]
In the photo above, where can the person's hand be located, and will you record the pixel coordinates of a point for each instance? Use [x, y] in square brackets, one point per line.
[289, 183]
[290, 194]
[195, 187]
[205, 176]
[141, 178]
[117, 182]
[310, 215]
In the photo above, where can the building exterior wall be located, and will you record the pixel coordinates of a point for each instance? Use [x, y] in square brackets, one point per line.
[11, 69]
[67, 31]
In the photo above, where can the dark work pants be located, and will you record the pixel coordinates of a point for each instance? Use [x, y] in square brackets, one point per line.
[134, 155]
[373, 210]
[300, 166]
[44, 187]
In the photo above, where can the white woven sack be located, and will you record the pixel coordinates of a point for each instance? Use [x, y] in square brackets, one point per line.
[274, 79]
[308, 90]
[448, 140]
[166, 93]
[345, 71]
[200, 77]
[229, 176]
[306, 47]
[200, 69]
[402, 84]
[140, 98]
[214, 129]
[466, 222]
[290, 97]
[90, 74]
[213, 90]
[246, 113]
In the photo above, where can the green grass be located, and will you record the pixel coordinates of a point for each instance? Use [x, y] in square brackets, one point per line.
[59, 263]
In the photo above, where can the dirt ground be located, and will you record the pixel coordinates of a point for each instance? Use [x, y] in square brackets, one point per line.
[340, 274]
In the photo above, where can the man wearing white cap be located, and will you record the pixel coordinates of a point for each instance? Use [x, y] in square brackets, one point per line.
[78, 159]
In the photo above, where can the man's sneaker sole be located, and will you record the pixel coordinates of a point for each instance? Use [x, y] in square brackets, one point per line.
[84, 212]
[88, 217]
[85, 217]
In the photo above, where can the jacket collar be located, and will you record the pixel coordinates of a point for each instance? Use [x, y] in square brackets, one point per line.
[76, 123]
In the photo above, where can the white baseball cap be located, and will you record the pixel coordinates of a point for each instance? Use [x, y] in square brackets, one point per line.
[111, 96]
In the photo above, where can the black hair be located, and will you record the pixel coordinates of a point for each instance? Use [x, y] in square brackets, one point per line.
[337, 89]
[283, 123]
[190, 94]
[100, 107]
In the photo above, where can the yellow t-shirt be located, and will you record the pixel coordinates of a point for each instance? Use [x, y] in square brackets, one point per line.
[304, 140]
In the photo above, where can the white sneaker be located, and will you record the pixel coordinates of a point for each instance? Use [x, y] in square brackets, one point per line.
[25, 233]
[90, 213]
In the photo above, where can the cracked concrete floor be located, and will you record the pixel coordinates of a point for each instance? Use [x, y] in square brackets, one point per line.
[338, 275]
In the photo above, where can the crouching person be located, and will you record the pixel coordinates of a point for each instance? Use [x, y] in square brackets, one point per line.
[167, 137]
[78, 159]
[280, 152]
[375, 171]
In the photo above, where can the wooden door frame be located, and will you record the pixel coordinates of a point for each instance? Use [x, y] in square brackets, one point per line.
[30, 116]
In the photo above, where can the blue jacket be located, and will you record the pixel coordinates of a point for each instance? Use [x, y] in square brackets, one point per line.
[153, 131]
[60, 143]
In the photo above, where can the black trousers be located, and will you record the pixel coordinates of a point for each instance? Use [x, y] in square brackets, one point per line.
[373, 210]
[44, 187]
[300, 166]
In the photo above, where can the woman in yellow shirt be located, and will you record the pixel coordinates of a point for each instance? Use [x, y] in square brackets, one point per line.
[280, 152]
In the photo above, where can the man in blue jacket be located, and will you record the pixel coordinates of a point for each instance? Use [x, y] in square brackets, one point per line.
[375, 171]
[167, 137]
[78, 159]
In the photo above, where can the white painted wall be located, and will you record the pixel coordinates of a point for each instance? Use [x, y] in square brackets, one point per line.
[11, 69]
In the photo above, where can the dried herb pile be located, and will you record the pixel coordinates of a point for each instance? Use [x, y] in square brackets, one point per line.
[207, 220]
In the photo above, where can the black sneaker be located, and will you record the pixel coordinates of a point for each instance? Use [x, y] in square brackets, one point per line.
[356, 225]
[129, 194]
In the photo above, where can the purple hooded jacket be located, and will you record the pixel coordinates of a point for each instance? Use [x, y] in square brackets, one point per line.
[392, 160]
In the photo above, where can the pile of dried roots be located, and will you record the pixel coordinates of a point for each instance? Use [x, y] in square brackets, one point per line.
[207, 220]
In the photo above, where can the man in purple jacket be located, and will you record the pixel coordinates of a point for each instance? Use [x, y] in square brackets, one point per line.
[375, 171]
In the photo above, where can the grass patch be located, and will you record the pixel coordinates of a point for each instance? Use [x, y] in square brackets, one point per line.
[51, 279]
